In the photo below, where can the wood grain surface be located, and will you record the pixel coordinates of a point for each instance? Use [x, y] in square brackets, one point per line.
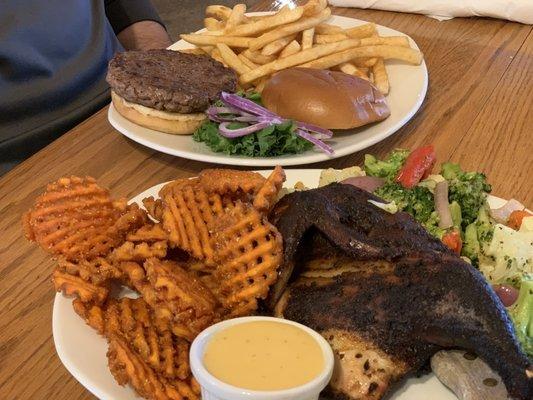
[478, 112]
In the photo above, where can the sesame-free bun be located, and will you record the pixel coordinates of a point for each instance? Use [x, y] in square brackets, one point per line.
[329, 99]
[163, 121]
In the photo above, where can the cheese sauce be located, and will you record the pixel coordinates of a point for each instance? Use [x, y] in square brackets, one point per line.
[263, 355]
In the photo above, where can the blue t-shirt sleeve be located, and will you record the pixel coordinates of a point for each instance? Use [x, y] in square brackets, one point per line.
[123, 13]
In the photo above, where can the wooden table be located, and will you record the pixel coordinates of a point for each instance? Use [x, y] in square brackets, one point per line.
[478, 112]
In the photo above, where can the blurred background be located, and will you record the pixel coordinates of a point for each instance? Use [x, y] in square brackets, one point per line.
[184, 16]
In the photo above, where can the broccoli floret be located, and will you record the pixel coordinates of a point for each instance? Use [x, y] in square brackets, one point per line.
[432, 225]
[471, 246]
[484, 226]
[388, 168]
[455, 211]
[417, 201]
[450, 171]
[469, 189]
[522, 315]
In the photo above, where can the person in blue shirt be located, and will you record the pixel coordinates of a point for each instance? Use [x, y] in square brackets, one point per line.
[53, 62]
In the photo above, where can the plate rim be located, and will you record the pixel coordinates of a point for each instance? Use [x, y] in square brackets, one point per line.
[307, 157]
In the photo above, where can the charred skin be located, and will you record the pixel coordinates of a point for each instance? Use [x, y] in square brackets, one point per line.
[403, 300]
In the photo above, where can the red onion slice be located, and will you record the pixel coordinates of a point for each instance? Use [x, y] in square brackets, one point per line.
[245, 104]
[234, 133]
[245, 110]
[442, 206]
[502, 214]
[317, 142]
[368, 183]
[325, 133]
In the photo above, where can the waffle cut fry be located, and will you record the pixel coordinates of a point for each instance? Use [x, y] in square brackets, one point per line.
[226, 181]
[248, 254]
[268, 194]
[151, 240]
[174, 294]
[77, 219]
[86, 280]
[187, 211]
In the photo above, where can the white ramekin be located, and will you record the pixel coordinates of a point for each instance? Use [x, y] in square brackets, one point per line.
[215, 389]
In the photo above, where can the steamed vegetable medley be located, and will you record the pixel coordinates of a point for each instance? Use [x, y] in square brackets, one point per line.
[452, 205]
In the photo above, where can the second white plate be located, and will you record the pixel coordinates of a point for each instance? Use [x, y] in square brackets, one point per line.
[408, 89]
[83, 351]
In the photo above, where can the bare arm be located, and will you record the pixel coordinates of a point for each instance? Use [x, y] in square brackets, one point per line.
[144, 35]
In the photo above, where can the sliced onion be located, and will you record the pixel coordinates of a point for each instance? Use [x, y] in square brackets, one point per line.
[247, 118]
[245, 104]
[326, 133]
[244, 110]
[368, 183]
[502, 214]
[442, 206]
[317, 142]
[234, 133]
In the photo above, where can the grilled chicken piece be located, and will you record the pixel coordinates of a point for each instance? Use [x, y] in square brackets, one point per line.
[385, 294]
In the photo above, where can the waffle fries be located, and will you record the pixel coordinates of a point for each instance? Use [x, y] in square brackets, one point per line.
[248, 253]
[186, 213]
[228, 181]
[211, 254]
[77, 219]
[268, 193]
[88, 280]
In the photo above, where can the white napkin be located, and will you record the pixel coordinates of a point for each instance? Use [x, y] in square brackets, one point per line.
[512, 10]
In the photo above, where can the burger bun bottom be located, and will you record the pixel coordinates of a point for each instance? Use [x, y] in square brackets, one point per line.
[162, 121]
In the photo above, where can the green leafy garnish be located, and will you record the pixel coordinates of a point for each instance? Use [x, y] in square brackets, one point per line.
[275, 140]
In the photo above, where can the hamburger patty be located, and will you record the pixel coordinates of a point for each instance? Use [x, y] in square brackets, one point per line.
[169, 80]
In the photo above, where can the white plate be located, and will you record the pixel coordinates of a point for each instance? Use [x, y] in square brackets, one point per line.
[408, 89]
[83, 352]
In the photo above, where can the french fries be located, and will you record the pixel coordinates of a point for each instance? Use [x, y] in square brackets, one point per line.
[381, 80]
[207, 40]
[307, 38]
[313, 7]
[302, 57]
[213, 24]
[410, 56]
[291, 48]
[231, 59]
[336, 37]
[350, 69]
[219, 12]
[249, 63]
[236, 16]
[365, 62]
[289, 29]
[277, 45]
[257, 46]
[361, 31]
[400, 41]
[285, 16]
[327, 29]
[257, 57]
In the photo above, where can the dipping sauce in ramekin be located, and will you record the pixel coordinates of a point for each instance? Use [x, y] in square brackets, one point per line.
[261, 358]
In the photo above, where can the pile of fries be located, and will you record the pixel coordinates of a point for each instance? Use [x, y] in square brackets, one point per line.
[258, 46]
[202, 252]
